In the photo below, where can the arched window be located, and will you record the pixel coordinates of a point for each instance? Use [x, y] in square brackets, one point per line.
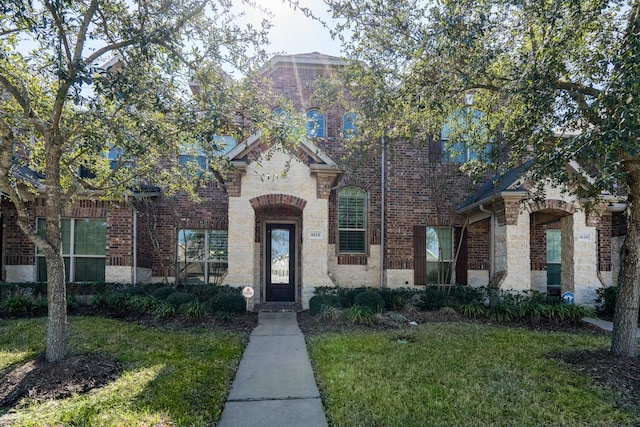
[352, 220]
[315, 124]
[462, 127]
[350, 124]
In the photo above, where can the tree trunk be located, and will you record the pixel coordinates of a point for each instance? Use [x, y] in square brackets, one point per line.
[57, 340]
[624, 340]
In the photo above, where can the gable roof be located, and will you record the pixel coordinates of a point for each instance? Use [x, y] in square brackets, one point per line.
[509, 181]
[318, 158]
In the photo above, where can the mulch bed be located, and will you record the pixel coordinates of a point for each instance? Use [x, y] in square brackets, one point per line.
[39, 380]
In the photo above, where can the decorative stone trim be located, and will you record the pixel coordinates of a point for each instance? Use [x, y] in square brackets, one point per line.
[277, 199]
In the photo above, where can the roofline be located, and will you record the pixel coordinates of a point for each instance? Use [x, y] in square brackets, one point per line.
[492, 198]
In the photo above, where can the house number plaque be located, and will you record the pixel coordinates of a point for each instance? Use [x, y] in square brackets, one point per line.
[315, 234]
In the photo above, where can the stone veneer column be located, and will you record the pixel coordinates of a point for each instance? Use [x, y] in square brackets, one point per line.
[579, 258]
[516, 253]
[241, 243]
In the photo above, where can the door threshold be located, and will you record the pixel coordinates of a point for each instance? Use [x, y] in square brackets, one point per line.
[276, 306]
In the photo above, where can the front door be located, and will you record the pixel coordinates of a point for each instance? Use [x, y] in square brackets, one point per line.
[280, 263]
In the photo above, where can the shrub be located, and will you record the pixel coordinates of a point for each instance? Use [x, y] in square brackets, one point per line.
[317, 302]
[134, 290]
[371, 299]
[18, 304]
[176, 299]
[117, 301]
[330, 313]
[606, 299]
[360, 314]
[228, 302]
[194, 309]
[142, 303]
[397, 298]
[472, 310]
[164, 310]
[225, 316]
[163, 292]
[353, 293]
[432, 298]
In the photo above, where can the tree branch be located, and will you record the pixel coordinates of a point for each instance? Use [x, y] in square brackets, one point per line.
[572, 87]
[21, 96]
[58, 22]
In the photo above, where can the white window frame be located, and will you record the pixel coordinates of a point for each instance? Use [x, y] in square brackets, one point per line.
[362, 229]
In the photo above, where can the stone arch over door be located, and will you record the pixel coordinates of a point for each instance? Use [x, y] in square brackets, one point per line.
[272, 210]
[548, 218]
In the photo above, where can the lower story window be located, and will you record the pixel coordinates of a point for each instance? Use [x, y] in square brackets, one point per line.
[439, 255]
[83, 249]
[202, 256]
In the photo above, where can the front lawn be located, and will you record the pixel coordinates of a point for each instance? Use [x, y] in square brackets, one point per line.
[457, 374]
[168, 377]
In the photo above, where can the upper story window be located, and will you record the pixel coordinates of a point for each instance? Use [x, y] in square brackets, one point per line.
[461, 127]
[83, 249]
[350, 123]
[352, 220]
[315, 124]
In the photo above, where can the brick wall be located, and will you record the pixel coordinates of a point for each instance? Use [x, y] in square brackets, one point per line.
[479, 239]
[420, 192]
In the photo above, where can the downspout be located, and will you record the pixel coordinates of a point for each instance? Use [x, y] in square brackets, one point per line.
[382, 212]
[134, 273]
[492, 240]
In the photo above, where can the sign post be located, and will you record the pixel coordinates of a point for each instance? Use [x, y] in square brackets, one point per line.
[248, 293]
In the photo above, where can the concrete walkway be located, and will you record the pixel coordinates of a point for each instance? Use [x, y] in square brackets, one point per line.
[603, 324]
[274, 385]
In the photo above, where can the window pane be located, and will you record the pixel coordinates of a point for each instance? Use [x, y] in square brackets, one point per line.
[191, 245]
[439, 243]
[350, 124]
[42, 268]
[217, 270]
[351, 208]
[65, 227]
[352, 241]
[89, 269]
[191, 272]
[315, 123]
[438, 273]
[554, 246]
[218, 241]
[195, 165]
[89, 237]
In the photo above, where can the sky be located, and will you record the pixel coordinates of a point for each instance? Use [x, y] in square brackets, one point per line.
[294, 33]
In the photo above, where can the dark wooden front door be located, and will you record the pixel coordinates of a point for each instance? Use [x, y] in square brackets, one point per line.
[280, 263]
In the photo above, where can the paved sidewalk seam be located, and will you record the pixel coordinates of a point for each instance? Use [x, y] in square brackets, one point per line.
[263, 399]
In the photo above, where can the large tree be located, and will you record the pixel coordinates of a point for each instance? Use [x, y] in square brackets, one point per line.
[95, 101]
[558, 80]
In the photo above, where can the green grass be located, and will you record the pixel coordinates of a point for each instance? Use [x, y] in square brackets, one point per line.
[448, 374]
[179, 377]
